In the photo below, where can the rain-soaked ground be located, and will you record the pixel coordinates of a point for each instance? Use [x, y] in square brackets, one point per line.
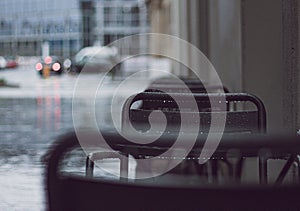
[27, 128]
[33, 115]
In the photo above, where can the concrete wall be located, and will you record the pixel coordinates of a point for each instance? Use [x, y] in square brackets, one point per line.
[180, 28]
[270, 48]
[253, 44]
[225, 41]
[159, 12]
[190, 22]
[215, 28]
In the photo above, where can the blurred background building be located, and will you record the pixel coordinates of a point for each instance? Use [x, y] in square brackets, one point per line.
[64, 27]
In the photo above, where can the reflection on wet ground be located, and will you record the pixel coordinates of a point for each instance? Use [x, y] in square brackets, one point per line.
[34, 115]
[27, 128]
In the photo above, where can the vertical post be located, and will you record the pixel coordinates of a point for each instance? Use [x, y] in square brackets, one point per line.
[66, 40]
[88, 21]
[270, 39]
[291, 65]
[45, 49]
[89, 171]
[124, 163]
[263, 169]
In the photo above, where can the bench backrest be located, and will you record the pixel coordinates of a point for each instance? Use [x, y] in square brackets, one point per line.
[252, 121]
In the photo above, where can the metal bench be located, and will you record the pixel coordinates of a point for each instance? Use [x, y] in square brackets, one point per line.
[167, 85]
[194, 85]
[71, 192]
[253, 121]
[242, 121]
[249, 121]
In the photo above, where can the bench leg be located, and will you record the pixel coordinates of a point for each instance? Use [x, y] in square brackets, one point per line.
[212, 170]
[285, 170]
[263, 170]
[238, 170]
[124, 163]
[89, 167]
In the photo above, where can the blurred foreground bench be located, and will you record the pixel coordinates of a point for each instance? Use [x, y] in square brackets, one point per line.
[73, 192]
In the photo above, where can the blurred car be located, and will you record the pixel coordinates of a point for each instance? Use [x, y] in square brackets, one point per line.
[67, 65]
[3, 62]
[95, 59]
[48, 66]
[11, 62]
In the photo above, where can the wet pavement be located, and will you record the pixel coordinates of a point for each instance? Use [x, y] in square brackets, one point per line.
[27, 127]
[33, 115]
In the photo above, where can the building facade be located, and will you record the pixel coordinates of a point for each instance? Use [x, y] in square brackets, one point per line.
[115, 19]
[66, 25]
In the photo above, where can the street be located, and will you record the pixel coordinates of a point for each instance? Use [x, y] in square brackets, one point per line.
[34, 112]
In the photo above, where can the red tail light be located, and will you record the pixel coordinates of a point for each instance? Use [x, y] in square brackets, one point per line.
[56, 66]
[48, 60]
[39, 66]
